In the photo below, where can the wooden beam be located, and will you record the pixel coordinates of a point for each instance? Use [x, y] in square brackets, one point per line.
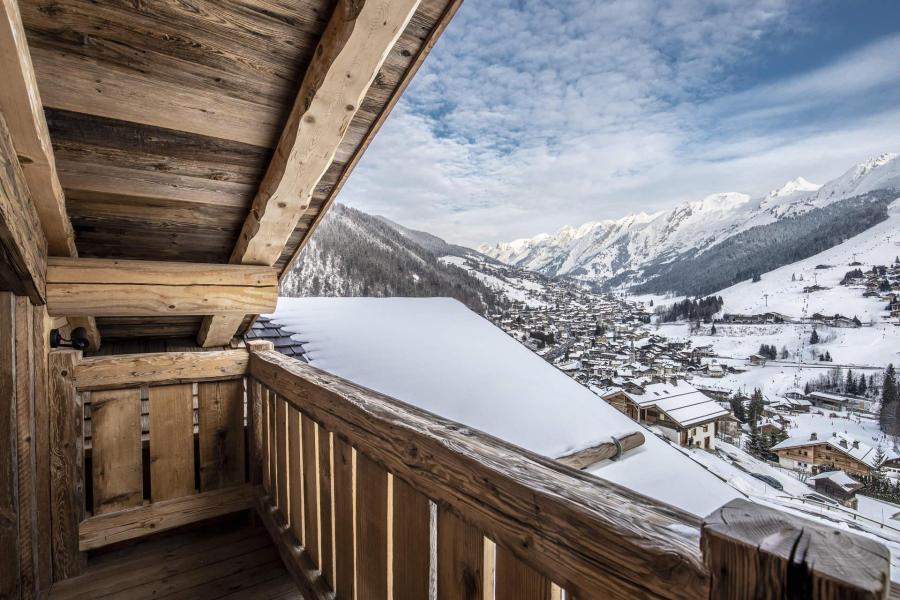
[355, 44]
[754, 551]
[20, 227]
[109, 288]
[163, 368]
[20, 103]
[581, 459]
[132, 523]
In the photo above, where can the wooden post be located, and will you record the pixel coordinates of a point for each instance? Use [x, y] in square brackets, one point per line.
[66, 463]
[757, 552]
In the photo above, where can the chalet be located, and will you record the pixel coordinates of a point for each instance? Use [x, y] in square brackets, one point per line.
[758, 360]
[163, 164]
[682, 413]
[837, 485]
[840, 451]
[831, 401]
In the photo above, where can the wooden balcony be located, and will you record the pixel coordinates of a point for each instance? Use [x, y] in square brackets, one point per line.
[361, 496]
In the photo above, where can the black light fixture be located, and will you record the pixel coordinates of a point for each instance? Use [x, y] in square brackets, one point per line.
[79, 339]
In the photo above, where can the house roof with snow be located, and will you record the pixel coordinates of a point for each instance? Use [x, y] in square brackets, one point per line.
[840, 479]
[840, 442]
[684, 403]
[438, 355]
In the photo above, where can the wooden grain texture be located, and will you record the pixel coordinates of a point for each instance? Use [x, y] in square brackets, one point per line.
[150, 272]
[139, 300]
[754, 551]
[274, 479]
[66, 463]
[116, 449]
[110, 372]
[25, 449]
[266, 436]
[254, 431]
[295, 473]
[326, 506]
[132, 523]
[21, 234]
[371, 529]
[460, 558]
[553, 518]
[9, 506]
[310, 489]
[281, 459]
[515, 580]
[345, 568]
[411, 541]
[20, 104]
[40, 348]
[171, 441]
[617, 445]
[221, 424]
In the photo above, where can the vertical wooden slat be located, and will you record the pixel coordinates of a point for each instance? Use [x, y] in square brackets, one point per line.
[25, 469]
[266, 434]
[295, 468]
[310, 491]
[371, 529]
[116, 449]
[273, 453]
[411, 531]
[66, 464]
[460, 558]
[40, 349]
[343, 519]
[254, 430]
[517, 581]
[171, 441]
[9, 528]
[221, 417]
[325, 507]
[281, 465]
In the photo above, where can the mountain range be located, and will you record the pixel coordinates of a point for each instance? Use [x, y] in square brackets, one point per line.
[705, 245]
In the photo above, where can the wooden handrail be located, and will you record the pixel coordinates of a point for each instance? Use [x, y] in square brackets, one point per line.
[122, 370]
[594, 538]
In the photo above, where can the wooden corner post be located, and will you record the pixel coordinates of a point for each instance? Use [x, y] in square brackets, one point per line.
[66, 463]
[757, 552]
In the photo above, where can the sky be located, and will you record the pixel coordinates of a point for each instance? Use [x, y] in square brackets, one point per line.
[531, 115]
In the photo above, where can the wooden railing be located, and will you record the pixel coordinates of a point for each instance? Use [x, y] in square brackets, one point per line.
[369, 495]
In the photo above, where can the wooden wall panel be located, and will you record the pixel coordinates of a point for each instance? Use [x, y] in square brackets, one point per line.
[371, 529]
[221, 417]
[116, 449]
[295, 467]
[171, 441]
[411, 536]
[343, 519]
[25, 451]
[310, 490]
[517, 581]
[9, 527]
[460, 558]
[40, 344]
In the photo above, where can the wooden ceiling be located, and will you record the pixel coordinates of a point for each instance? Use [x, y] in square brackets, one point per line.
[164, 116]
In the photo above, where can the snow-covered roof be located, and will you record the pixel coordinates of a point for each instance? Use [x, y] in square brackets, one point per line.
[438, 355]
[841, 442]
[684, 403]
[839, 478]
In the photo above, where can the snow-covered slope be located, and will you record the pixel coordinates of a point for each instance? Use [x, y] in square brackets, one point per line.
[599, 250]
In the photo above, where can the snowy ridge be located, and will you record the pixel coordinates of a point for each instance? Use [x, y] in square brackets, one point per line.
[598, 250]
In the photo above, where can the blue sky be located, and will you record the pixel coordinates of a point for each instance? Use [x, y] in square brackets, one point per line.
[529, 115]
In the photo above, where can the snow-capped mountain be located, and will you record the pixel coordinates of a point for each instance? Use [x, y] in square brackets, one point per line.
[602, 250]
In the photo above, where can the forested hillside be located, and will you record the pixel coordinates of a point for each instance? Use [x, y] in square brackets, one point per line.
[355, 254]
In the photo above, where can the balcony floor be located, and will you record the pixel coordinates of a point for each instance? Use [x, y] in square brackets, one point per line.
[228, 558]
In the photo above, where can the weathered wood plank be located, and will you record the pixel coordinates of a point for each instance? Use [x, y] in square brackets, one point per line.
[221, 416]
[40, 348]
[508, 493]
[281, 459]
[411, 536]
[116, 449]
[25, 451]
[274, 479]
[9, 506]
[310, 489]
[295, 472]
[517, 581]
[138, 300]
[603, 451]
[371, 529]
[352, 49]
[265, 439]
[20, 103]
[115, 371]
[254, 431]
[326, 534]
[754, 551]
[345, 569]
[152, 272]
[171, 441]
[460, 558]
[128, 524]
[21, 234]
[66, 463]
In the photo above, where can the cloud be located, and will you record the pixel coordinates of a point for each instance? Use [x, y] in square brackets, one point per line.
[531, 115]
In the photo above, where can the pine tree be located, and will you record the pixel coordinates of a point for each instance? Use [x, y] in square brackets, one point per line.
[850, 384]
[756, 407]
[890, 423]
[861, 388]
[814, 338]
[806, 389]
[737, 408]
[784, 352]
[712, 331]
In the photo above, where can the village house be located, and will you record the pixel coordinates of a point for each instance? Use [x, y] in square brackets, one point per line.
[840, 451]
[837, 485]
[830, 401]
[681, 412]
